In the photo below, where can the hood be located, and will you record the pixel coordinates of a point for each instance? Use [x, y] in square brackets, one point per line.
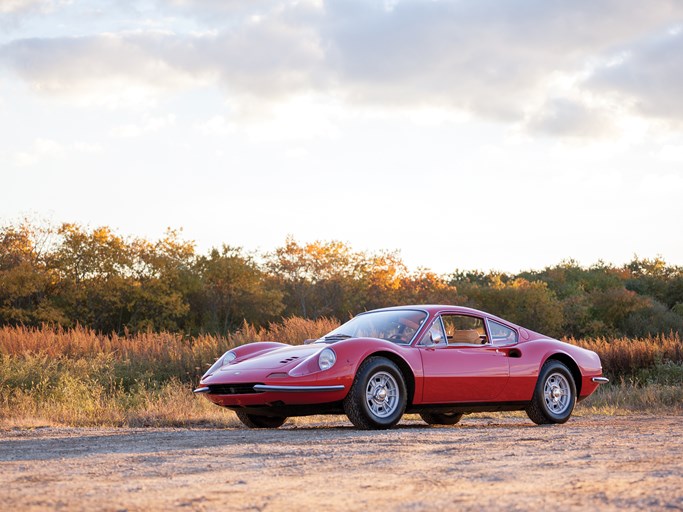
[283, 358]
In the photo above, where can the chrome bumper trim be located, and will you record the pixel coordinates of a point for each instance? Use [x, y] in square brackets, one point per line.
[201, 390]
[297, 389]
[600, 380]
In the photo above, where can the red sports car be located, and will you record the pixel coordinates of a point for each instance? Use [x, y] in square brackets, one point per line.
[438, 361]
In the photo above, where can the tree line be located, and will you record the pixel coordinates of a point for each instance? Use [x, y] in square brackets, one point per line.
[73, 275]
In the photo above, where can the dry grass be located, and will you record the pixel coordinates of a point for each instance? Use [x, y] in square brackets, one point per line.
[83, 378]
[627, 356]
[76, 404]
[79, 377]
[293, 330]
[623, 399]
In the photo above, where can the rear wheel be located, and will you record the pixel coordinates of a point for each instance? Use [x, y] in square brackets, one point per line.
[378, 395]
[441, 418]
[256, 421]
[554, 395]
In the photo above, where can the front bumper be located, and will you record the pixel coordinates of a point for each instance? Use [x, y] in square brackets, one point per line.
[298, 389]
[258, 387]
[286, 389]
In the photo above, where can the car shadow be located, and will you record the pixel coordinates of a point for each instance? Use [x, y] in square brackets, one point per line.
[63, 443]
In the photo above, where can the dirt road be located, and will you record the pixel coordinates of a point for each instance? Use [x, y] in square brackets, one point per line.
[591, 463]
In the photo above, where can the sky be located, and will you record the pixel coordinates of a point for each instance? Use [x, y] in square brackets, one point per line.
[483, 134]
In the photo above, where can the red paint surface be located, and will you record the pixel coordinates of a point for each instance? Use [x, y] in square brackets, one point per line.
[441, 375]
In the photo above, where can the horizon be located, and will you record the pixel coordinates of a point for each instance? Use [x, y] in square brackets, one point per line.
[260, 253]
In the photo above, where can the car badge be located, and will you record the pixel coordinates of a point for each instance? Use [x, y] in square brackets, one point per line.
[237, 373]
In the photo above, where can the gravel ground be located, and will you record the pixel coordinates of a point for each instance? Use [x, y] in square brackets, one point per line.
[592, 462]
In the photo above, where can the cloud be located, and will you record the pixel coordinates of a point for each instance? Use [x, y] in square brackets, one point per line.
[147, 125]
[491, 58]
[266, 60]
[72, 65]
[25, 6]
[214, 11]
[647, 74]
[14, 12]
[568, 118]
[48, 149]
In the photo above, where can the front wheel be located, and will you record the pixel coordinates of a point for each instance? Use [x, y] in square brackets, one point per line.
[378, 395]
[256, 421]
[441, 418]
[554, 396]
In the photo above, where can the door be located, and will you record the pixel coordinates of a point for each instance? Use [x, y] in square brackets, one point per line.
[460, 363]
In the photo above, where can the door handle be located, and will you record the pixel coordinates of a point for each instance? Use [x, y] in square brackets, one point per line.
[510, 352]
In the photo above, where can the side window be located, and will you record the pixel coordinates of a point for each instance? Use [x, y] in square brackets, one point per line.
[501, 335]
[434, 336]
[464, 329]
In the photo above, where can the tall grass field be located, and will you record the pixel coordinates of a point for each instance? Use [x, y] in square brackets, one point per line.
[53, 376]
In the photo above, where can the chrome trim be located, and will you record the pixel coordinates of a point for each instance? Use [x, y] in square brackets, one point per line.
[429, 328]
[297, 389]
[488, 332]
[484, 323]
[600, 380]
[201, 390]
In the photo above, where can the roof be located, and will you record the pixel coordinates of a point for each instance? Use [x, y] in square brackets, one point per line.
[433, 309]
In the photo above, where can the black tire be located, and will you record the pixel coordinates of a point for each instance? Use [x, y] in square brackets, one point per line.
[386, 408]
[441, 418]
[255, 421]
[545, 407]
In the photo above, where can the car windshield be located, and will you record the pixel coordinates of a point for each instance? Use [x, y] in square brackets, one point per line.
[398, 326]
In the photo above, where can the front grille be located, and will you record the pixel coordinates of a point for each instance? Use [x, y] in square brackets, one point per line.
[233, 389]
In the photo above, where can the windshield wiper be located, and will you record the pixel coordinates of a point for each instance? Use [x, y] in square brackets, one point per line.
[337, 336]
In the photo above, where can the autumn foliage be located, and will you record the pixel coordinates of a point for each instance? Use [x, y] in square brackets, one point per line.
[76, 277]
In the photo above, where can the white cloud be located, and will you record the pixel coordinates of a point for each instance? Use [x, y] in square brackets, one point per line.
[14, 13]
[24, 6]
[491, 58]
[264, 60]
[217, 125]
[147, 125]
[646, 74]
[567, 118]
[48, 149]
[109, 65]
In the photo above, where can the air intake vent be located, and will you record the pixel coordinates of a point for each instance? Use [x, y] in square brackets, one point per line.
[289, 359]
[233, 389]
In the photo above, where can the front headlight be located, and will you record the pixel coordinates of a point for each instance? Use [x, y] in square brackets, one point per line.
[228, 358]
[326, 359]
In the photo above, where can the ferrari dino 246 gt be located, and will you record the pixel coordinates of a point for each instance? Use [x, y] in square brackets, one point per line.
[438, 361]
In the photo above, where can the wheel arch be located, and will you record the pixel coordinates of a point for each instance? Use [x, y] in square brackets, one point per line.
[403, 365]
[569, 362]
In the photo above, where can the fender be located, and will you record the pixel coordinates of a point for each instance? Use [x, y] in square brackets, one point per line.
[356, 350]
